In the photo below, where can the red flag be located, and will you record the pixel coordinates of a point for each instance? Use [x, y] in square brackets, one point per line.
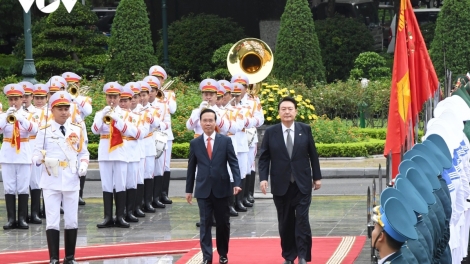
[414, 81]
[115, 137]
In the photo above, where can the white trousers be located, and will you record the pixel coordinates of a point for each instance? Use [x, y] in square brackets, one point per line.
[251, 159]
[69, 200]
[35, 177]
[16, 178]
[159, 163]
[169, 147]
[149, 167]
[113, 175]
[140, 176]
[242, 163]
[132, 174]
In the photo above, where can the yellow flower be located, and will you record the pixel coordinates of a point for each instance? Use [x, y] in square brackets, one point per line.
[271, 99]
[307, 100]
[298, 99]
[309, 117]
[269, 118]
[264, 84]
[277, 117]
[264, 112]
[271, 108]
[262, 102]
[315, 117]
[302, 117]
[263, 92]
[292, 91]
[279, 92]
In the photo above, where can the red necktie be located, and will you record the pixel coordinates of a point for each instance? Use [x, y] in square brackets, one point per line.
[209, 148]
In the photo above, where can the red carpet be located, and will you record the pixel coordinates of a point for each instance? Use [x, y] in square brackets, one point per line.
[331, 250]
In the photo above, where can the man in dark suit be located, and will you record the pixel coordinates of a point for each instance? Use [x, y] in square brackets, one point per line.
[289, 155]
[210, 153]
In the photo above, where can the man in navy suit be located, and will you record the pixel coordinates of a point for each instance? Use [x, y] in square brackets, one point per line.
[289, 155]
[209, 154]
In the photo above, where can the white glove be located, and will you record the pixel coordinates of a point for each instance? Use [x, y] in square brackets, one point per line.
[83, 169]
[115, 116]
[11, 110]
[106, 110]
[20, 118]
[204, 104]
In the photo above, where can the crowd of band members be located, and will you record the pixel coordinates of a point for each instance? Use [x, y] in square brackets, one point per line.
[135, 173]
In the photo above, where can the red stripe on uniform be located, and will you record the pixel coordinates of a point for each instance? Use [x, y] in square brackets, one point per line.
[221, 123]
[138, 134]
[30, 126]
[124, 129]
[95, 127]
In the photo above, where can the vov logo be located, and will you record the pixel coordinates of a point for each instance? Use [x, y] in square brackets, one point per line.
[51, 7]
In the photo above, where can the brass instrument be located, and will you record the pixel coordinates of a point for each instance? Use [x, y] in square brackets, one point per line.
[253, 57]
[76, 91]
[107, 118]
[11, 118]
[229, 103]
[167, 85]
[161, 92]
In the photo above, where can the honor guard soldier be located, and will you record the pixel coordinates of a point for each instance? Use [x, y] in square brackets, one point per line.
[133, 150]
[144, 86]
[220, 94]
[63, 156]
[79, 110]
[135, 102]
[109, 123]
[56, 83]
[160, 136]
[28, 96]
[41, 115]
[16, 125]
[392, 228]
[153, 117]
[169, 98]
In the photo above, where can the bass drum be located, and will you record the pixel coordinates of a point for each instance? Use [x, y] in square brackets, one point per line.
[160, 143]
[251, 133]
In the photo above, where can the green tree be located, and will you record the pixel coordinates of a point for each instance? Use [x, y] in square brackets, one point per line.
[219, 60]
[297, 55]
[130, 45]
[193, 40]
[66, 41]
[451, 35]
[11, 13]
[341, 41]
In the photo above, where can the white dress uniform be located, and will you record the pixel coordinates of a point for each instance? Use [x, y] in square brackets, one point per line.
[15, 158]
[112, 156]
[28, 90]
[57, 83]
[64, 156]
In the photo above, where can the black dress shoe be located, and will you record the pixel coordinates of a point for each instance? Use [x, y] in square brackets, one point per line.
[198, 224]
[288, 262]
[223, 260]
[207, 262]
[302, 261]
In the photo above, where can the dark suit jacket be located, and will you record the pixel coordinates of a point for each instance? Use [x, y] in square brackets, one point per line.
[274, 159]
[212, 174]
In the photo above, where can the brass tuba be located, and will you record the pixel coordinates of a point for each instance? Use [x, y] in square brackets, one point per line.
[251, 56]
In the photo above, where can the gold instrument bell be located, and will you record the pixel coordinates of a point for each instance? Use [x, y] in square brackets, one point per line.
[251, 56]
[11, 118]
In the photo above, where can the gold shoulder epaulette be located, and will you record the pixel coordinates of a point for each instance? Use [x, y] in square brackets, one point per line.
[75, 124]
[46, 126]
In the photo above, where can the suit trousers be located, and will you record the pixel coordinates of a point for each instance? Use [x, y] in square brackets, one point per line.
[132, 174]
[140, 175]
[294, 226]
[69, 200]
[218, 207]
[35, 177]
[149, 167]
[113, 175]
[243, 163]
[169, 147]
[16, 178]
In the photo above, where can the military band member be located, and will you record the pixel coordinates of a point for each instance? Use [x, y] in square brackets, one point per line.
[220, 94]
[160, 137]
[40, 115]
[16, 125]
[153, 117]
[56, 83]
[135, 102]
[61, 151]
[28, 96]
[79, 110]
[146, 87]
[169, 99]
[133, 151]
[112, 157]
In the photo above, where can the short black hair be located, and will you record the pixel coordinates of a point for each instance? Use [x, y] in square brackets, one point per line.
[208, 110]
[392, 243]
[287, 99]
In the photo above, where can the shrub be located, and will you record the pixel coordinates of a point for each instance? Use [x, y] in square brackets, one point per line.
[428, 30]
[9, 65]
[453, 20]
[327, 130]
[180, 151]
[219, 62]
[67, 41]
[370, 65]
[193, 40]
[298, 56]
[341, 41]
[130, 45]
[270, 95]
[359, 149]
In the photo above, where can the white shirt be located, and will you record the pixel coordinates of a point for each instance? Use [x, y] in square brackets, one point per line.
[382, 260]
[292, 132]
[212, 139]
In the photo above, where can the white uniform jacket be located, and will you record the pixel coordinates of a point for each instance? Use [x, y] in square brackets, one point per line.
[67, 149]
[131, 144]
[27, 128]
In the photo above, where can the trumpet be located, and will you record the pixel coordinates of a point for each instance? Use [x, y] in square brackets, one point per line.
[11, 118]
[107, 118]
[74, 90]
